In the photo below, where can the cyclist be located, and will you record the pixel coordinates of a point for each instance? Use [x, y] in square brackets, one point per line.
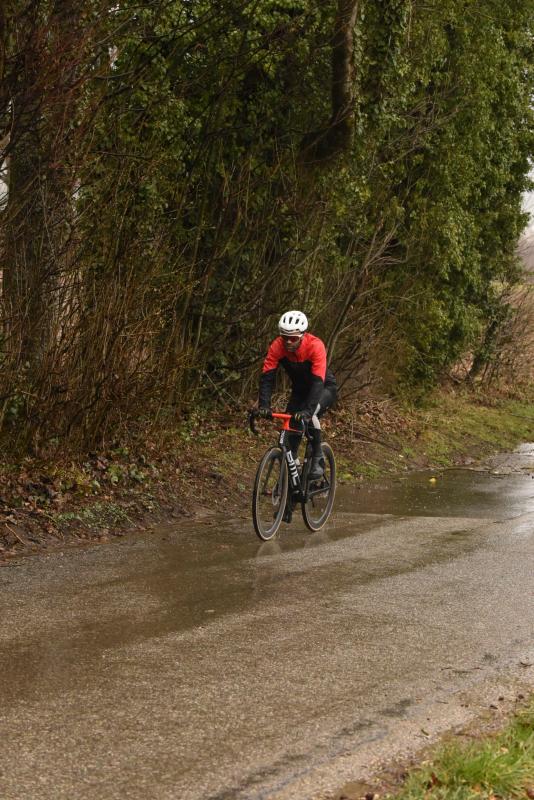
[313, 386]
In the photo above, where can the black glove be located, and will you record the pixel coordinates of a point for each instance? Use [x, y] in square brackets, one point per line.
[302, 416]
[265, 413]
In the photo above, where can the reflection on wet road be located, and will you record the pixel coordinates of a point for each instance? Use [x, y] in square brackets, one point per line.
[196, 662]
[455, 492]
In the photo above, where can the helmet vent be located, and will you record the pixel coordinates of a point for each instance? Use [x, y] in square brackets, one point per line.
[293, 322]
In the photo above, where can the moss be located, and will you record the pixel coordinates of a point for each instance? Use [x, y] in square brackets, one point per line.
[368, 470]
[95, 515]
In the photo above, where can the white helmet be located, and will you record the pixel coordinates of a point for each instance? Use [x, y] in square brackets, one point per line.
[293, 322]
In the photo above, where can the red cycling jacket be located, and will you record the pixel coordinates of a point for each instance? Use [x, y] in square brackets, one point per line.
[306, 367]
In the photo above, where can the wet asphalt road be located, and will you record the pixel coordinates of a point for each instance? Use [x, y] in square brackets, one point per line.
[195, 662]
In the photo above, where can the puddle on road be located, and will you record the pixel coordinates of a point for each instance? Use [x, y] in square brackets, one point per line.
[89, 602]
[525, 449]
[454, 492]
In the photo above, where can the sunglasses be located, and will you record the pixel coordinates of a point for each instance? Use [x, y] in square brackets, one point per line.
[292, 339]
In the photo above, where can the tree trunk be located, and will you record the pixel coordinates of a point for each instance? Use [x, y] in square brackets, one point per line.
[39, 203]
[326, 143]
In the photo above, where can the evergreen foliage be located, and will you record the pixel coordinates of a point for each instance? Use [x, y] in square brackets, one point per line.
[190, 169]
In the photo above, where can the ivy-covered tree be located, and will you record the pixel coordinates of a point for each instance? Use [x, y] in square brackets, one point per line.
[200, 166]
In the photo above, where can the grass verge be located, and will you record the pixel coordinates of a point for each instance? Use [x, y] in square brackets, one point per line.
[499, 766]
[452, 428]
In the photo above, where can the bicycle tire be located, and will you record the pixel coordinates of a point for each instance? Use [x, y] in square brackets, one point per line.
[270, 493]
[325, 491]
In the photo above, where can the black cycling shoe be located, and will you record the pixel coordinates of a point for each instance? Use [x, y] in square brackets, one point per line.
[316, 469]
[288, 514]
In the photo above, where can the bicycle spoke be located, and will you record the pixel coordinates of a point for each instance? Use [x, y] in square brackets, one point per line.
[266, 480]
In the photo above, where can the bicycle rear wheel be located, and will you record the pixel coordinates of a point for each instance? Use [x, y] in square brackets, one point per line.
[321, 493]
[270, 494]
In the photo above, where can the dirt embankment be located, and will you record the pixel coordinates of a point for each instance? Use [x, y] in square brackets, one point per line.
[207, 465]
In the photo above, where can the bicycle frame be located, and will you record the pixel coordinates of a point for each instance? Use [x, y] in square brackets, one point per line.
[294, 477]
[296, 486]
[295, 483]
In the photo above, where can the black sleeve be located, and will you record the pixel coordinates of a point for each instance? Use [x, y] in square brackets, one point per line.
[267, 382]
[314, 394]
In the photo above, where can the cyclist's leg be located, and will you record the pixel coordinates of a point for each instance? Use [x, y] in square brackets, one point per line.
[326, 401]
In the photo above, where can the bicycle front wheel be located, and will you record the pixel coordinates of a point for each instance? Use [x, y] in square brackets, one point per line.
[270, 494]
[321, 494]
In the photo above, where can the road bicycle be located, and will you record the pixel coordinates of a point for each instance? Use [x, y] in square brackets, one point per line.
[282, 482]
